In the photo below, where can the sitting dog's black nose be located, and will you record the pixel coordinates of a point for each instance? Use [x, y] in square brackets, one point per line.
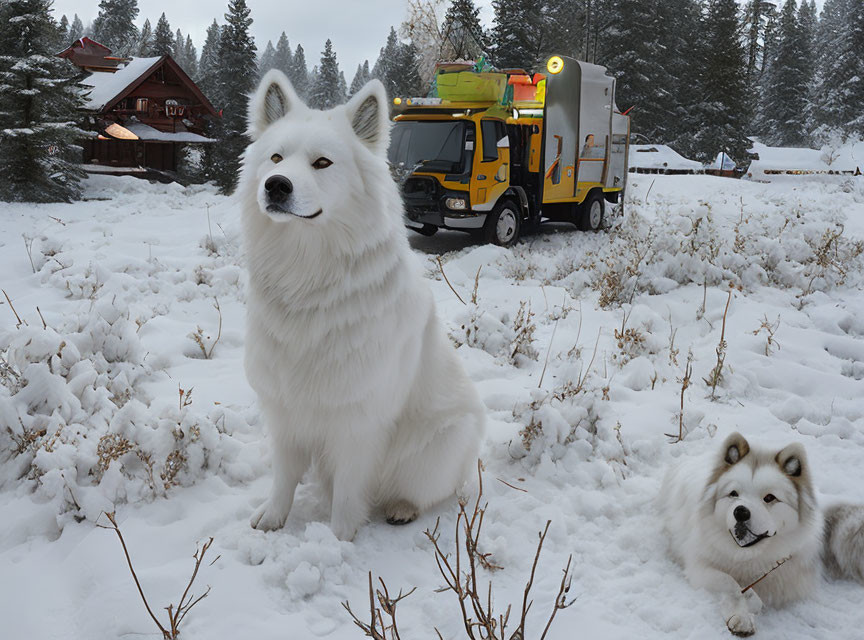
[742, 514]
[278, 189]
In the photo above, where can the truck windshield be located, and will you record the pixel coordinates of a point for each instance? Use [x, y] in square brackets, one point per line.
[428, 145]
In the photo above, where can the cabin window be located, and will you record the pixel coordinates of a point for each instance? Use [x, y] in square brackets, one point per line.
[142, 104]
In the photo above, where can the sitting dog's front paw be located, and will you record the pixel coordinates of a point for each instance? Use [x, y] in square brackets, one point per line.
[742, 624]
[268, 517]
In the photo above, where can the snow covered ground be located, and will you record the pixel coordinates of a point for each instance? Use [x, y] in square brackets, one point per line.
[92, 419]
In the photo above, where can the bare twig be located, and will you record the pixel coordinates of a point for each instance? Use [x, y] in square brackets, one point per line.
[28, 245]
[44, 324]
[175, 615]
[548, 351]
[441, 267]
[199, 339]
[765, 575]
[685, 384]
[110, 516]
[476, 285]
[11, 306]
[376, 627]
[716, 376]
[561, 599]
[511, 486]
[460, 571]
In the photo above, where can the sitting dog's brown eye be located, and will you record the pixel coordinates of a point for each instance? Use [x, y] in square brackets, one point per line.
[321, 163]
[769, 498]
[734, 494]
[276, 157]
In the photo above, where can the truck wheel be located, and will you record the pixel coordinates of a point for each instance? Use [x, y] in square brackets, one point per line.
[426, 230]
[503, 224]
[590, 216]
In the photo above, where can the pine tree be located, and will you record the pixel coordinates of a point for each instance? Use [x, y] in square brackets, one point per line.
[145, 41]
[298, 73]
[283, 58]
[267, 61]
[386, 68]
[342, 91]
[76, 30]
[114, 26]
[563, 28]
[163, 39]
[839, 91]
[208, 65]
[518, 34]
[721, 114]
[678, 37]
[784, 96]
[327, 92]
[409, 83]
[191, 56]
[462, 34]
[63, 29]
[633, 49]
[361, 77]
[757, 15]
[237, 76]
[178, 49]
[39, 154]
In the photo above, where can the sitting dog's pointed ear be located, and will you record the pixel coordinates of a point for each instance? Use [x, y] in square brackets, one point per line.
[368, 115]
[792, 460]
[735, 448]
[272, 100]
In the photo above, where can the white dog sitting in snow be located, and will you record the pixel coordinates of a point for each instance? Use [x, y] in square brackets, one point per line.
[352, 368]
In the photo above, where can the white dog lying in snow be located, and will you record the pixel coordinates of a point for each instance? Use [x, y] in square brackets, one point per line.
[734, 516]
[352, 368]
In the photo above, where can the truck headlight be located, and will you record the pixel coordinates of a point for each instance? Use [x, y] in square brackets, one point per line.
[457, 204]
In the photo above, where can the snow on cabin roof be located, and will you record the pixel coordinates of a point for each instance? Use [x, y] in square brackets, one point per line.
[146, 132]
[107, 86]
[659, 156]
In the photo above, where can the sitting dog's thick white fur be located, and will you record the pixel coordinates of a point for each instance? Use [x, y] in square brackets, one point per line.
[352, 368]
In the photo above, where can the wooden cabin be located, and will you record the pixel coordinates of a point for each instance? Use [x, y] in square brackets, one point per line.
[141, 111]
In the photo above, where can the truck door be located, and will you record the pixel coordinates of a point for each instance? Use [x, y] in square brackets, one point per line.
[492, 174]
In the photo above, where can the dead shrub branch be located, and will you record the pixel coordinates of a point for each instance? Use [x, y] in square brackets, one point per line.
[187, 600]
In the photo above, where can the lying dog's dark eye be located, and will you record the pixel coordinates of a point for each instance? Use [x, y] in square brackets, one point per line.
[734, 494]
[276, 157]
[321, 163]
[769, 498]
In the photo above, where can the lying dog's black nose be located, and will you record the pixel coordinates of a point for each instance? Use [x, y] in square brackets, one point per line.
[742, 514]
[278, 189]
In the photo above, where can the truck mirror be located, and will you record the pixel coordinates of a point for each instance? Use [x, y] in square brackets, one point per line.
[504, 143]
[535, 129]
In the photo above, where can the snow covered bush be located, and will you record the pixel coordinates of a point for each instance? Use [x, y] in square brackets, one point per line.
[75, 415]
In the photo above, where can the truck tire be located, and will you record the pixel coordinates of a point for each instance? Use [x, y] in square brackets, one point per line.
[591, 212]
[503, 224]
[427, 230]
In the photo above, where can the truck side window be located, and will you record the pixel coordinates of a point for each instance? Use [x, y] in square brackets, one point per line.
[490, 140]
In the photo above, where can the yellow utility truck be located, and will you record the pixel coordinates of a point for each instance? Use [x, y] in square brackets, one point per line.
[493, 152]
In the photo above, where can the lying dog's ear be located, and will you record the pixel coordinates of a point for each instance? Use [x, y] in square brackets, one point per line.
[368, 115]
[792, 460]
[735, 448]
[272, 100]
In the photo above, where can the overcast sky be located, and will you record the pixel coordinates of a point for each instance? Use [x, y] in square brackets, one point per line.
[358, 28]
